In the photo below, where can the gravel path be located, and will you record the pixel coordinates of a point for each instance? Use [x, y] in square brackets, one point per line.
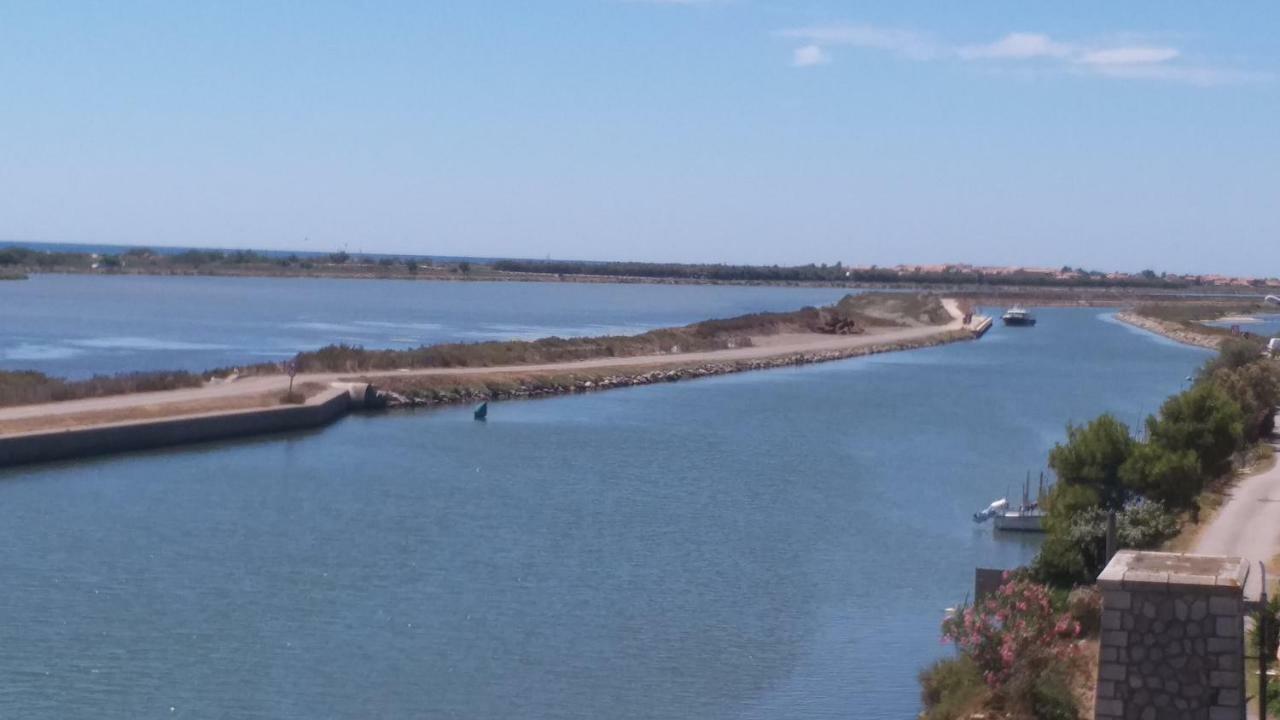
[1247, 525]
[249, 387]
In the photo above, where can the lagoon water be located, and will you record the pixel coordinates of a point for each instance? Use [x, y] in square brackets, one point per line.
[1267, 325]
[766, 545]
[79, 325]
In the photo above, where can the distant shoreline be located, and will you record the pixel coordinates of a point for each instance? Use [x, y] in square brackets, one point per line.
[990, 295]
[1065, 286]
[1170, 330]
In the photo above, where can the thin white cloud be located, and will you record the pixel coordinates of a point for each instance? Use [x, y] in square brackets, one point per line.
[1017, 46]
[900, 42]
[1136, 55]
[808, 56]
[1185, 74]
[1120, 58]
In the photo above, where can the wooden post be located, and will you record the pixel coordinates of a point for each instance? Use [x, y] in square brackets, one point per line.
[1111, 536]
[1264, 634]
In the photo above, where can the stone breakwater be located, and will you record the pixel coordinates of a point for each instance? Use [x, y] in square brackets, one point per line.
[1173, 331]
[401, 393]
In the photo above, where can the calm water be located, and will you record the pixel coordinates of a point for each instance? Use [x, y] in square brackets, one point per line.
[768, 545]
[78, 325]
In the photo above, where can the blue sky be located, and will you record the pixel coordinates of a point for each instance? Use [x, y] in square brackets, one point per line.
[1099, 134]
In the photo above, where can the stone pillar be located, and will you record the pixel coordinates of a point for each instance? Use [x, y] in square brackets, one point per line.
[1172, 638]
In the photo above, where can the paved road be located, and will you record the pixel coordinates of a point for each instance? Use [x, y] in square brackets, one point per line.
[1248, 524]
[770, 346]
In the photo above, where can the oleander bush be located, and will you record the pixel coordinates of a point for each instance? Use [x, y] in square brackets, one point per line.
[1022, 648]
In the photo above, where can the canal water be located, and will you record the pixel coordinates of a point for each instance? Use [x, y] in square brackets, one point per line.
[777, 544]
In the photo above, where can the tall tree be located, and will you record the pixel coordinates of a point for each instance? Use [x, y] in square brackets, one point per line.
[1092, 457]
[1203, 420]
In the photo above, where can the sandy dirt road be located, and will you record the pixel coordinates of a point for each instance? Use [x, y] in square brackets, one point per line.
[218, 392]
[1247, 525]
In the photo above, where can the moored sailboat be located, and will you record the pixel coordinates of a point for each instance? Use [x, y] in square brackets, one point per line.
[1028, 517]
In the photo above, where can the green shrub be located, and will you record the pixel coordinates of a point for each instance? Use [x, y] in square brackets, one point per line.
[1051, 697]
[1268, 646]
[1233, 353]
[951, 688]
[1144, 524]
[1074, 552]
[1255, 387]
[1061, 563]
[1039, 687]
[1084, 604]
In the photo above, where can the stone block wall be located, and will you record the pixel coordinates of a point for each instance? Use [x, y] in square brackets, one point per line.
[1172, 643]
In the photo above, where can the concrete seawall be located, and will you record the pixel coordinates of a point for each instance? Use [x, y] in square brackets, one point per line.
[123, 437]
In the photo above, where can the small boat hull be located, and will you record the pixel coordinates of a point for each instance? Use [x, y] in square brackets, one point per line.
[1019, 522]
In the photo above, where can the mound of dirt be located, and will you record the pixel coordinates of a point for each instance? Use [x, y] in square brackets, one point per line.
[893, 309]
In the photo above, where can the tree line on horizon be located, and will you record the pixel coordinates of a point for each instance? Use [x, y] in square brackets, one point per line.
[23, 257]
[814, 272]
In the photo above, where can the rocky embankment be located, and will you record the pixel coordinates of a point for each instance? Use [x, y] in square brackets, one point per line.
[409, 392]
[1173, 331]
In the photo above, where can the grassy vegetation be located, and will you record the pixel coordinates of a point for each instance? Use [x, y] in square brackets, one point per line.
[28, 387]
[1192, 316]
[852, 314]
[154, 411]
[952, 688]
[1188, 312]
